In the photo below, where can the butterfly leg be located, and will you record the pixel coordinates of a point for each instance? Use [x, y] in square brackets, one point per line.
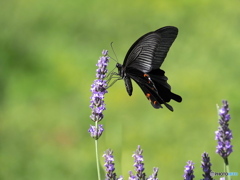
[108, 81]
[112, 75]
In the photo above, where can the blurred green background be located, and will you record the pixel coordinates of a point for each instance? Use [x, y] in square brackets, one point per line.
[48, 52]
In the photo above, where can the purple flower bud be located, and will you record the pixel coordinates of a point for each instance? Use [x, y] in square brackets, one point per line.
[96, 132]
[132, 176]
[206, 166]
[224, 134]
[188, 172]
[105, 52]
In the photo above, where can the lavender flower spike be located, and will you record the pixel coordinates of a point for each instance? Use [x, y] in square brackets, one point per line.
[224, 134]
[206, 166]
[98, 89]
[110, 175]
[154, 175]
[139, 165]
[188, 172]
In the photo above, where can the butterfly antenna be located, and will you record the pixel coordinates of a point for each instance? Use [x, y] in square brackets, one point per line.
[114, 52]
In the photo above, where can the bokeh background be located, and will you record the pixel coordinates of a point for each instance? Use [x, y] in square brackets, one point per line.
[48, 52]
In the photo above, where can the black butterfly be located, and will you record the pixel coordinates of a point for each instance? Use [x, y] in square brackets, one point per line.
[142, 64]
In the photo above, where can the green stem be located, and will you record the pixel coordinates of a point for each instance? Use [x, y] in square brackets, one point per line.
[226, 168]
[97, 158]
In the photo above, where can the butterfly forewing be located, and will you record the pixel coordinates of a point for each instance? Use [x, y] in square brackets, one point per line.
[150, 50]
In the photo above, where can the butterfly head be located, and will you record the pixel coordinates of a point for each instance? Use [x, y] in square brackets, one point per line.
[120, 70]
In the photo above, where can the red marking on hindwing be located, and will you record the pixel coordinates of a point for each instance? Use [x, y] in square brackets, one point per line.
[149, 79]
[148, 95]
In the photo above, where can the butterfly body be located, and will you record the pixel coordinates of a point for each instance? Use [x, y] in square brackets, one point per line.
[142, 64]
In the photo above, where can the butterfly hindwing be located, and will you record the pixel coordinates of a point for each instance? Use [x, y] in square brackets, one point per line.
[164, 89]
[151, 96]
[157, 94]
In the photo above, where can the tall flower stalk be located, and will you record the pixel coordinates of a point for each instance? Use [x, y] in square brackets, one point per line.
[224, 134]
[97, 105]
